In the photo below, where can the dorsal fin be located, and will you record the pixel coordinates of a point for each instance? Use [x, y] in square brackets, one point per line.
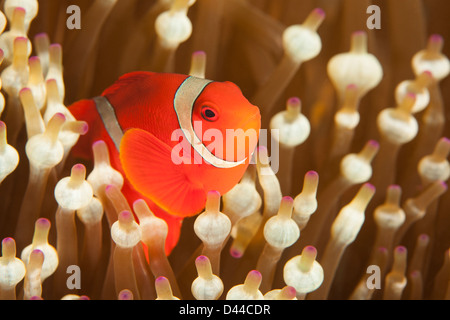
[128, 80]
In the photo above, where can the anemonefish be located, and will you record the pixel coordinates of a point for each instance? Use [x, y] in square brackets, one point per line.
[173, 137]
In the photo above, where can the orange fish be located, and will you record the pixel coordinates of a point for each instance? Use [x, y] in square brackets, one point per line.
[173, 137]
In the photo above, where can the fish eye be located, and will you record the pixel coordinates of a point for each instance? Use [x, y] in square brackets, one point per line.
[209, 114]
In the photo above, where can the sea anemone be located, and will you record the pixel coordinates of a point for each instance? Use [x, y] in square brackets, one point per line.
[346, 200]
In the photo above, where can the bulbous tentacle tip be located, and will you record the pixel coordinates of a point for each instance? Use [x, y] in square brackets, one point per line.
[294, 101]
[319, 12]
[8, 247]
[78, 172]
[125, 295]
[41, 35]
[19, 11]
[435, 43]
[126, 217]
[314, 19]
[202, 259]
[43, 223]
[99, 144]
[359, 42]
[253, 279]
[236, 253]
[287, 200]
[84, 128]
[311, 174]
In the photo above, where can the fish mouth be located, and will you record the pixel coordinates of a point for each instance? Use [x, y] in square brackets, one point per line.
[249, 136]
[254, 122]
[245, 136]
